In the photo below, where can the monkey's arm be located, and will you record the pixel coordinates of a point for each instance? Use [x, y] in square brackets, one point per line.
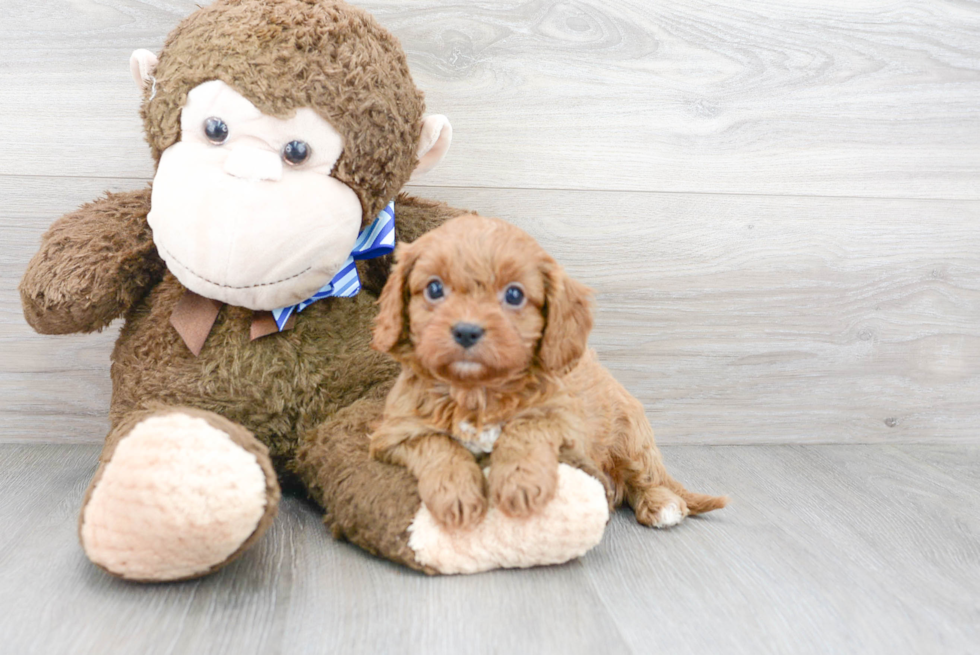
[93, 265]
[413, 218]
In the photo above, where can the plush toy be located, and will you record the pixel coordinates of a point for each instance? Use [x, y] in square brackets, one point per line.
[283, 131]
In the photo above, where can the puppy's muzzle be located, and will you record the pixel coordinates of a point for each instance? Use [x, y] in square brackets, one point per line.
[467, 334]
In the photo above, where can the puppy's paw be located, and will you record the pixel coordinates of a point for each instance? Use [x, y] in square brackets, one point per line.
[455, 497]
[660, 508]
[524, 487]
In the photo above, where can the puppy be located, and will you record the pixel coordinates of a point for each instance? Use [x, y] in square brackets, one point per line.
[491, 334]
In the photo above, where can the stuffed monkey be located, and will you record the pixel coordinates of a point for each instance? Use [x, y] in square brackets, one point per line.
[247, 277]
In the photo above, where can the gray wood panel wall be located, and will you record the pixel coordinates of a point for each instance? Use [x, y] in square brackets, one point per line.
[777, 203]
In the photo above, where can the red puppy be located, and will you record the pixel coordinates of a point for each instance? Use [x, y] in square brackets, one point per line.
[491, 334]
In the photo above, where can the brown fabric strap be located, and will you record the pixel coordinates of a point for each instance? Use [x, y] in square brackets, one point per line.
[193, 317]
[263, 324]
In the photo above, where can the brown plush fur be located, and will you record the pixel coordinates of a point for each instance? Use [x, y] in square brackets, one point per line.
[94, 264]
[283, 55]
[516, 376]
[304, 393]
[280, 388]
[306, 398]
[95, 261]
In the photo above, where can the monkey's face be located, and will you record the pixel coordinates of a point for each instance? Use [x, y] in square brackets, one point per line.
[244, 207]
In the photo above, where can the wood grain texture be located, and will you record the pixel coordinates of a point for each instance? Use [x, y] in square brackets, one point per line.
[826, 549]
[853, 549]
[692, 162]
[735, 319]
[807, 97]
[761, 319]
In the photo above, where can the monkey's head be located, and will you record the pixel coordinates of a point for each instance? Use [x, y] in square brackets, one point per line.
[280, 129]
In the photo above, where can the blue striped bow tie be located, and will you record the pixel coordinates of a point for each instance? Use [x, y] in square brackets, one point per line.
[376, 241]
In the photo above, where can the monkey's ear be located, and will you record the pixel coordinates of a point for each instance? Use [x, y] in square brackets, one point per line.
[434, 142]
[142, 63]
[390, 325]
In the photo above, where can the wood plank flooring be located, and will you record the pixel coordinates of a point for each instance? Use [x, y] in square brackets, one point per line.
[825, 549]
[860, 99]
[776, 203]
[757, 319]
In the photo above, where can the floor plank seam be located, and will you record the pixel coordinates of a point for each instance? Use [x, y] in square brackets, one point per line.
[457, 187]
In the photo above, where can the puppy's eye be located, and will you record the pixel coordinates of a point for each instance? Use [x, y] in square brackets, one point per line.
[514, 296]
[296, 152]
[216, 130]
[434, 290]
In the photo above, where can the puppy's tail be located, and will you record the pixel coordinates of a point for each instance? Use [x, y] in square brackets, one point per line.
[696, 503]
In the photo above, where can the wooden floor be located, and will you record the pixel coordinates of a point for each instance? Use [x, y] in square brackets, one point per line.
[778, 205]
[776, 202]
[825, 549]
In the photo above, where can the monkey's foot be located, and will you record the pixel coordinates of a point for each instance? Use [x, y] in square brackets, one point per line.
[566, 528]
[184, 492]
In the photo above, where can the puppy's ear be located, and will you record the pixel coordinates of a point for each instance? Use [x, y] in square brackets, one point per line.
[568, 319]
[390, 324]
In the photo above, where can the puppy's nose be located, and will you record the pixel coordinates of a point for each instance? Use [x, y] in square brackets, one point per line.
[466, 334]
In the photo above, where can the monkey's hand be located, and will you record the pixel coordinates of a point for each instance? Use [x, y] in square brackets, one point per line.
[93, 265]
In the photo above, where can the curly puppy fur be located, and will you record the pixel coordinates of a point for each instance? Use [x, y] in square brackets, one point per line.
[527, 377]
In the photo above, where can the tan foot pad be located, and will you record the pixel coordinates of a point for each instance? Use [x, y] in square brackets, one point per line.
[570, 525]
[178, 498]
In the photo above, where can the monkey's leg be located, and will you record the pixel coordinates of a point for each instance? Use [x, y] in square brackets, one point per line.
[376, 506]
[179, 492]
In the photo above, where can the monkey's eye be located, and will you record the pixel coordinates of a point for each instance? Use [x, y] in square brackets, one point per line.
[216, 130]
[514, 296]
[434, 290]
[296, 152]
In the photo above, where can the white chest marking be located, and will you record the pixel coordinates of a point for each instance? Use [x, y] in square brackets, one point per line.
[477, 443]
